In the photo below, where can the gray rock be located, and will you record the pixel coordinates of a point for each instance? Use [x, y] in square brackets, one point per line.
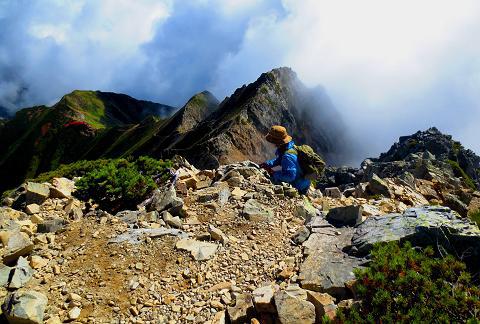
[128, 216]
[348, 215]
[223, 196]
[301, 235]
[53, 225]
[217, 234]
[135, 236]
[200, 251]
[377, 186]
[166, 200]
[455, 204]
[21, 274]
[429, 225]
[36, 193]
[25, 307]
[333, 192]
[4, 275]
[305, 210]
[18, 244]
[326, 267]
[175, 222]
[255, 211]
[293, 309]
[243, 310]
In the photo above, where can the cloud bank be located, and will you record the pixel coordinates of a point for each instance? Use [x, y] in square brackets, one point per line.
[390, 67]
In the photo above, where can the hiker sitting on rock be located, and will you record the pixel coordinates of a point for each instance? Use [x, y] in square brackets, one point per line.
[287, 158]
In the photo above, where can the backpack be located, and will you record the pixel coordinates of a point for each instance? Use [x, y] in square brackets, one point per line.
[311, 163]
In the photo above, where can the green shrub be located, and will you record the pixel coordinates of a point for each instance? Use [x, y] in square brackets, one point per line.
[122, 184]
[405, 285]
[76, 169]
[459, 172]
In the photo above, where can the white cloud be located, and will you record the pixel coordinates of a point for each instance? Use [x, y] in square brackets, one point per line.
[390, 66]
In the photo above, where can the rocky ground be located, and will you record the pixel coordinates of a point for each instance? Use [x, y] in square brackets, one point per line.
[212, 247]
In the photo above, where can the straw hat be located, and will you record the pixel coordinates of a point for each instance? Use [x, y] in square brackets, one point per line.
[278, 135]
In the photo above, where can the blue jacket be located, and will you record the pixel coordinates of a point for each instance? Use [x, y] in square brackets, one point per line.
[291, 171]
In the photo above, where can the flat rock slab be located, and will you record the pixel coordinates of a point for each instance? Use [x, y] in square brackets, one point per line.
[430, 225]
[326, 267]
[134, 236]
[199, 250]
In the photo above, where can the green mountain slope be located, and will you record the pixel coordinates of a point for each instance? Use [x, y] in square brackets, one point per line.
[38, 139]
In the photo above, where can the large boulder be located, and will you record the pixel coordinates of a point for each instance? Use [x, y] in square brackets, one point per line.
[36, 193]
[16, 244]
[429, 225]
[25, 307]
[377, 186]
[348, 215]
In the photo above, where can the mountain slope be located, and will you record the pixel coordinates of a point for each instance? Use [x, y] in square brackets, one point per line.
[38, 139]
[236, 130]
[93, 124]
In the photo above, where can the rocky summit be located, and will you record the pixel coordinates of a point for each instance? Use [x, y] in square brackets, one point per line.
[222, 245]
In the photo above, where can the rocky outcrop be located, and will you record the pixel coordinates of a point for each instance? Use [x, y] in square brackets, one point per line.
[236, 130]
[431, 225]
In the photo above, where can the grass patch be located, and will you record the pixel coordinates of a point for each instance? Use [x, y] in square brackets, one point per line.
[475, 216]
[459, 172]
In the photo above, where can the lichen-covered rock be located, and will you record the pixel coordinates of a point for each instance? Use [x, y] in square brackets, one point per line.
[377, 186]
[305, 210]
[255, 211]
[429, 225]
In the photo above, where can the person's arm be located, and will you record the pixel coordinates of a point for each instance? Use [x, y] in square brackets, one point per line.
[272, 163]
[289, 169]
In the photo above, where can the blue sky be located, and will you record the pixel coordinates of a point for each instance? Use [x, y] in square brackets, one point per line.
[390, 67]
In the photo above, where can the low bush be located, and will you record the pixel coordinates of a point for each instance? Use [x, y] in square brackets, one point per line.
[76, 169]
[122, 184]
[407, 285]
